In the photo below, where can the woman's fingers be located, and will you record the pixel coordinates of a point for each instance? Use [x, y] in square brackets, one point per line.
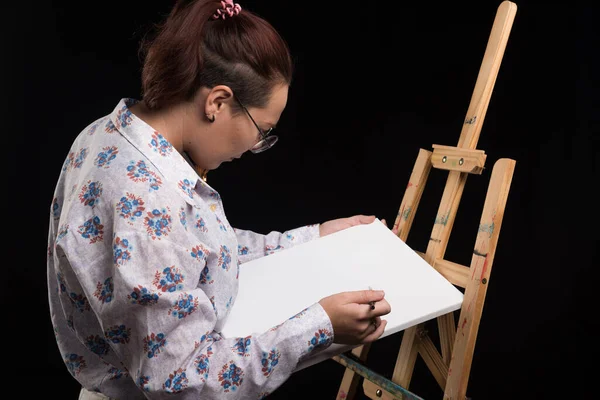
[376, 332]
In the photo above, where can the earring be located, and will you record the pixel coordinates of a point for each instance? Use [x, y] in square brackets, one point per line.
[211, 119]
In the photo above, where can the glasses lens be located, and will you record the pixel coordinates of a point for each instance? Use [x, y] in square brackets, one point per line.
[264, 144]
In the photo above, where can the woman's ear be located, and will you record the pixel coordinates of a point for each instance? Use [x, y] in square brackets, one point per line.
[217, 99]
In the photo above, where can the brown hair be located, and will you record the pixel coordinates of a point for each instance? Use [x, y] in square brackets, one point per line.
[191, 50]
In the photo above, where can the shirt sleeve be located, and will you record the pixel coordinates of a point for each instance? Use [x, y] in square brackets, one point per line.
[254, 245]
[160, 323]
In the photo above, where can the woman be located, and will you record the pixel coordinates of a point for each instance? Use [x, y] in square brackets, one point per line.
[143, 264]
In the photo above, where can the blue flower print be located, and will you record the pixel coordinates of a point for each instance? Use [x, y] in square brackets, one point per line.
[62, 287]
[187, 188]
[205, 277]
[242, 250]
[184, 306]
[242, 346]
[272, 249]
[62, 231]
[130, 207]
[118, 334]
[68, 164]
[158, 223]
[90, 193]
[153, 344]
[124, 117]
[202, 363]
[75, 363]
[104, 291]
[81, 156]
[263, 395]
[221, 225]
[231, 377]
[116, 373]
[143, 296]
[289, 237]
[228, 304]
[321, 338]
[224, 258]
[206, 336]
[200, 224]
[55, 208]
[142, 382]
[269, 361]
[92, 229]
[97, 345]
[200, 253]
[80, 302]
[171, 280]
[110, 127]
[92, 129]
[104, 158]
[160, 145]
[121, 251]
[177, 382]
[182, 218]
[139, 172]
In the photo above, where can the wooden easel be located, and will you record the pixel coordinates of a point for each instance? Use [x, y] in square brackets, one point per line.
[452, 367]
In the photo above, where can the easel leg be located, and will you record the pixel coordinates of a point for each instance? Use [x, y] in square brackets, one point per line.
[407, 356]
[481, 266]
[447, 332]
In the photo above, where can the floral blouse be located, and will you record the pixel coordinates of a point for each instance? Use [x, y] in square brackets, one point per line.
[143, 270]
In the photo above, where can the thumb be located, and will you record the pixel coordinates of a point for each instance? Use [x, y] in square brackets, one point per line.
[366, 219]
[365, 296]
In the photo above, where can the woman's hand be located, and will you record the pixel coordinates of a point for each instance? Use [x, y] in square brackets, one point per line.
[352, 319]
[339, 224]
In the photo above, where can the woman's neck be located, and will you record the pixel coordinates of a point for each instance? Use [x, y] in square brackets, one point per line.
[169, 122]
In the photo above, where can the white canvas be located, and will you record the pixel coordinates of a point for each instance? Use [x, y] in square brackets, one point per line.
[275, 287]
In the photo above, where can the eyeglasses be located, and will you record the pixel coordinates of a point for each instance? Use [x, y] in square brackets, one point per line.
[266, 139]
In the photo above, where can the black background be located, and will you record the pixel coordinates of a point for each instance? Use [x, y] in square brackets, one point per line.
[374, 82]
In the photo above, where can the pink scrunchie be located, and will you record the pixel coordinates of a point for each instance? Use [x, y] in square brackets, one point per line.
[228, 9]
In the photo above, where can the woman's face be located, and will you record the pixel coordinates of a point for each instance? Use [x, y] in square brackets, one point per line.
[230, 136]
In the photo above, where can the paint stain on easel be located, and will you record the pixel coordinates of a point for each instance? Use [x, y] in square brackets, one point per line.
[484, 269]
[443, 219]
[402, 214]
[470, 121]
[489, 228]
[477, 253]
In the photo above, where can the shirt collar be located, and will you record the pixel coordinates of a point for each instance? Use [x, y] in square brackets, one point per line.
[169, 163]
